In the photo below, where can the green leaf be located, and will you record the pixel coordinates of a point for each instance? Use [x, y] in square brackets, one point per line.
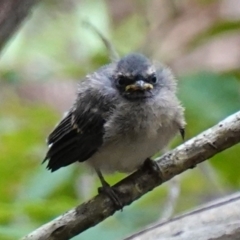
[208, 98]
[43, 183]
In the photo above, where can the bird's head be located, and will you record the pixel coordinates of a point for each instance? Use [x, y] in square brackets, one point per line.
[135, 77]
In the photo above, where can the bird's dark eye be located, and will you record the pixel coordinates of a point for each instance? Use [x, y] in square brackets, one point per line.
[122, 81]
[153, 78]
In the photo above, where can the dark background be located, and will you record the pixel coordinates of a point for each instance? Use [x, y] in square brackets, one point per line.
[39, 69]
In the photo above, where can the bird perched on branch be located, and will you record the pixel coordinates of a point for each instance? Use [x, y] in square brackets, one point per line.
[124, 113]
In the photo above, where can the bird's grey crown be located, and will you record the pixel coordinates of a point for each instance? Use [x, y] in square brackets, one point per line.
[133, 64]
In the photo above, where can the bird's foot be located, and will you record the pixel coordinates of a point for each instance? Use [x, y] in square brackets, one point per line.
[112, 194]
[151, 165]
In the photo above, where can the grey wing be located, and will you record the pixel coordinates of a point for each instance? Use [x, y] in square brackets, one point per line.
[78, 136]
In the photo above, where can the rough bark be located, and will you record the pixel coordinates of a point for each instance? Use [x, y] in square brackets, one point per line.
[198, 149]
[219, 220]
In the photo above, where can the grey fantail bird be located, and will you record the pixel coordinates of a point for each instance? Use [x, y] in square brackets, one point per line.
[124, 113]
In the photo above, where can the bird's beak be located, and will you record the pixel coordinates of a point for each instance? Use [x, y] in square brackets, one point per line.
[139, 85]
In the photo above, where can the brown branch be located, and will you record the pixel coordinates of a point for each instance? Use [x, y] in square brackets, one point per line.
[214, 140]
[12, 13]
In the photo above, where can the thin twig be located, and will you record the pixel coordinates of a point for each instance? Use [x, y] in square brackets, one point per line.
[113, 55]
[172, 198]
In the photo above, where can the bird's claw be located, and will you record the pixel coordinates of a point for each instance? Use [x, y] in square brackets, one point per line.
[151, 165]
[112, 194]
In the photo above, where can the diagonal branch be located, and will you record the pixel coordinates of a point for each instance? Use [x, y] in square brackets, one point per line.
[214, 140]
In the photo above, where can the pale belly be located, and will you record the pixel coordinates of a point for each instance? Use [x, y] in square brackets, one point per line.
[128, 155]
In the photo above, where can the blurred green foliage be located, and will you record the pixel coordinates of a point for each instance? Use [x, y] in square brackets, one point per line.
[220, 27]
[53, 44]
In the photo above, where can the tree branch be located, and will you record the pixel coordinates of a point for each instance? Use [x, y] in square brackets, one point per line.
[219, 220]
[12, 13]
[214, 140]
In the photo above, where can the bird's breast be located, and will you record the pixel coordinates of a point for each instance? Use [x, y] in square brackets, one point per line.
[131, 136]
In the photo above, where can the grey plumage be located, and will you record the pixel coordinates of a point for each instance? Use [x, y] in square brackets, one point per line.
[124, 113]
